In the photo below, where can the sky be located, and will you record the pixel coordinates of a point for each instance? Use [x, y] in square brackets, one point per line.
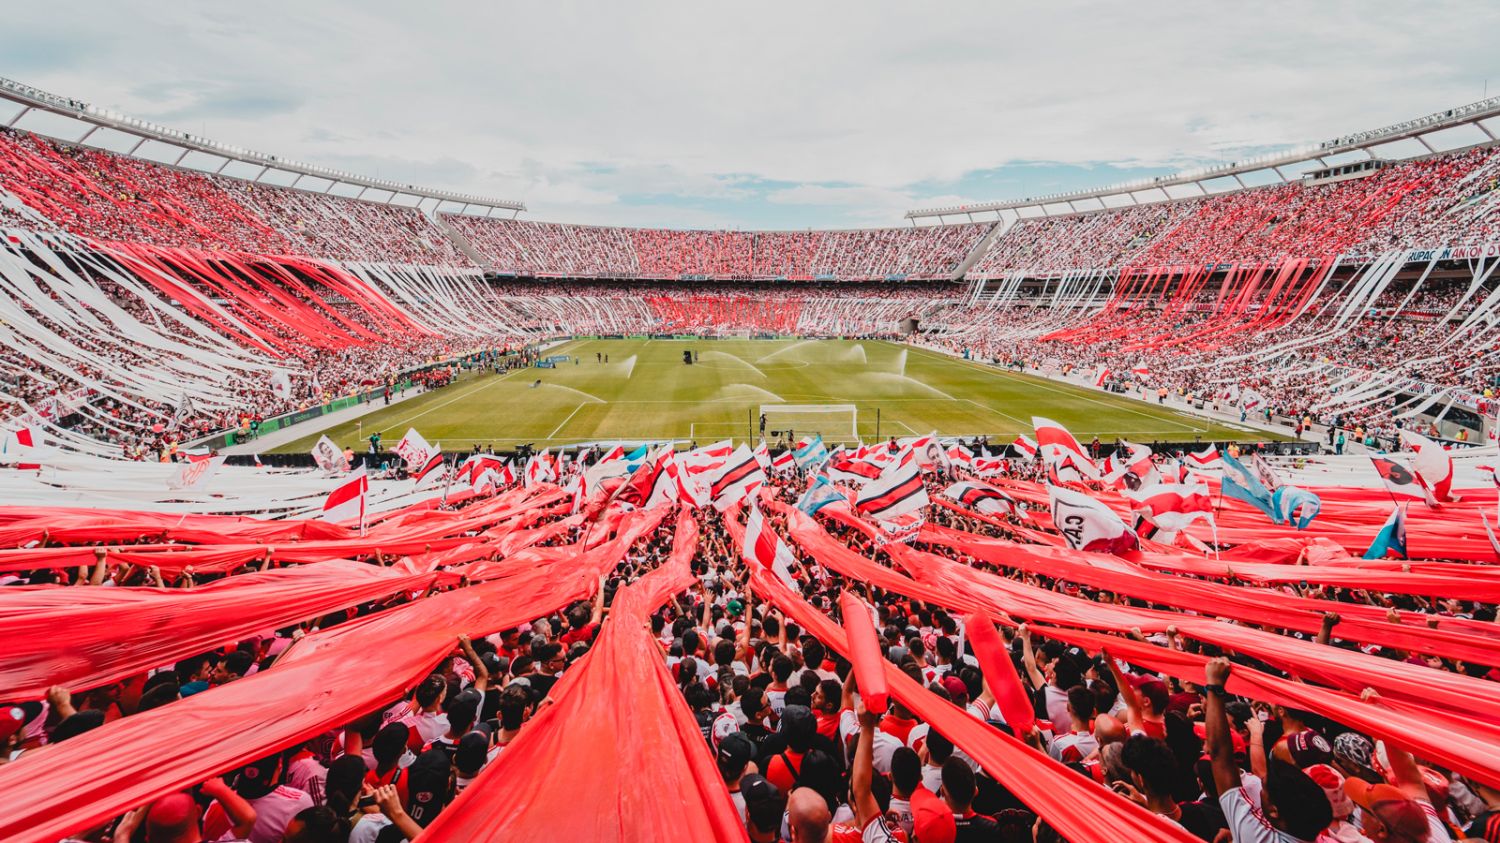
[759, 115]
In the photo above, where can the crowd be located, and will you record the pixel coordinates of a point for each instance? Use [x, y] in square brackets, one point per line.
[118, 198]
[1445, 200]
[800, 754]
[523, 247]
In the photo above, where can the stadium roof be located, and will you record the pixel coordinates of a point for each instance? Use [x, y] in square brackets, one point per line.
[353, 185]
[1269, 169]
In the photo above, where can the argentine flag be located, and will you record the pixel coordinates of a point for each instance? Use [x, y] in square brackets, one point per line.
[811, 453]
[1391, 538]
[820, 494]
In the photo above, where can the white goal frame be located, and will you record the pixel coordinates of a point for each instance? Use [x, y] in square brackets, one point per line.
[770, 411]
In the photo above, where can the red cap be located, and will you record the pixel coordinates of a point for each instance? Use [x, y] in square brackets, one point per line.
[12, 718]
[1389, 805]
[955, 687]
[931, 818]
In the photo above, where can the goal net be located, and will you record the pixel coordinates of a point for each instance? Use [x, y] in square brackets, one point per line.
[789, 422]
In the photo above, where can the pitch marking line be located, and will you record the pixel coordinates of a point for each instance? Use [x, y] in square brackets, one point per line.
[483, 385]
[569, 418]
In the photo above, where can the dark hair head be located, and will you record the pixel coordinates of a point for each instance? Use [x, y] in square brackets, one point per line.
[1150, 759]
[390, 742]
[345, 775]
[319, 825]
[76, 724]
[906, 769]
[958, 781]
[813, 653]
[238, 662]
[939, 748]
[430, 690]
[782, 667]
[1082, 701]
[1300, 803]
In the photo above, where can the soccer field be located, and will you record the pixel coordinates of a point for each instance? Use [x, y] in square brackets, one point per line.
[646, 393]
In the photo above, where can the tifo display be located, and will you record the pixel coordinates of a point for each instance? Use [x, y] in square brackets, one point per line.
[325, 520]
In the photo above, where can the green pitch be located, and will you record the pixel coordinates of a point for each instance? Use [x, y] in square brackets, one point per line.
[646, 392]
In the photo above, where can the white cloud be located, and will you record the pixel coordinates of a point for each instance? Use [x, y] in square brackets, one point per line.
[578, 107]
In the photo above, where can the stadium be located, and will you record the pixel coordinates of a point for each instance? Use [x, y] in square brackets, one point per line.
[337, 508]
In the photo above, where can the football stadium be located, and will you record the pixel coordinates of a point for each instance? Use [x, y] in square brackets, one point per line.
[343, 506]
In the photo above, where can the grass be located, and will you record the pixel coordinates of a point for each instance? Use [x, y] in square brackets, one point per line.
[646, 392]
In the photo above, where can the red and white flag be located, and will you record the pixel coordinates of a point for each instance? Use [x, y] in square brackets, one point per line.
[414, 450]
[740, 476]
[1171, 507]
[640, 486]
[347, 502]
[898, 491]
[1087, 524]
[1433, 465]
[990, 466]
[1131, 468]
[982, 497]
[539, 469]
[841, 469]
[1025, 445]
[328, 456]
[764, 548]
[960, 456]
[1400, 481]
[1206, 459]
[784, 461]
[1101, 376]
[430, 468]
[195, 472]
[763, 456]
[1054, 442]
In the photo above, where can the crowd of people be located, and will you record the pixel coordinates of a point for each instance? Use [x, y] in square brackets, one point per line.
[801, 755]
[104, 196]
[523, 247]
[1445, 200]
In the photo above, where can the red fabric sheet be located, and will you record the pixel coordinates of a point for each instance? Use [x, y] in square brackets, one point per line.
[323, 681]
[617, 756]
[864, 652]
[113, 633]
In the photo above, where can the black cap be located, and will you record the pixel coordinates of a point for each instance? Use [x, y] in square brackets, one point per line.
[798, 720]
[763, 802]
[735, 751]
[473, 751]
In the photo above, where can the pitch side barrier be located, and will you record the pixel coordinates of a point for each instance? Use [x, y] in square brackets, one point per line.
[227, 438]
[305, 460]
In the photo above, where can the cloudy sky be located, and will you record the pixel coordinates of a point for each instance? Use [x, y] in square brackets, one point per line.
[758, 115]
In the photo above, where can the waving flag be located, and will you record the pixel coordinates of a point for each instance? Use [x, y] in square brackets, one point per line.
[1433, 464]
[896, 492]
[843, 469]
[810, 453]
[195, 472]
[1295, 506]
[763, 548]
[1206, 458]
[1101, 376]
[1024, 445]
[1171, 507]
[1131, 469]
[990, 466]
[430, 468]
[1087, 524]
[475, 465]
[1392, 537]
[740, 476]
[328, 456]
[1401, 481]
[960, 456]
[820, 493]
[539, 469]
[1055, 442]
[763, 455]
[982, 497]
[1240, 483]
[638, 489]
[414, 450]
[347, 502]
[783, 461]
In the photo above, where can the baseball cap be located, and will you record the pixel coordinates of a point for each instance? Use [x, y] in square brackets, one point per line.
[763, 801]
[931, 818]
[1332, 782]
[473, 750]
[1388, 805]
[254, 780]
[955, 687]
[12, 719]
[798, 720]
[735, 751]
[734, 607]
[1307, 748]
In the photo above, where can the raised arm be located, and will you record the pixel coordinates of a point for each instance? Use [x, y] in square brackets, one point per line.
[1028, 656]
[1135, 721]
[862, 774]
[1216, 726]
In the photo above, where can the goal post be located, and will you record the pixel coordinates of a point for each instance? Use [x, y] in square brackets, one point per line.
[834, 422]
